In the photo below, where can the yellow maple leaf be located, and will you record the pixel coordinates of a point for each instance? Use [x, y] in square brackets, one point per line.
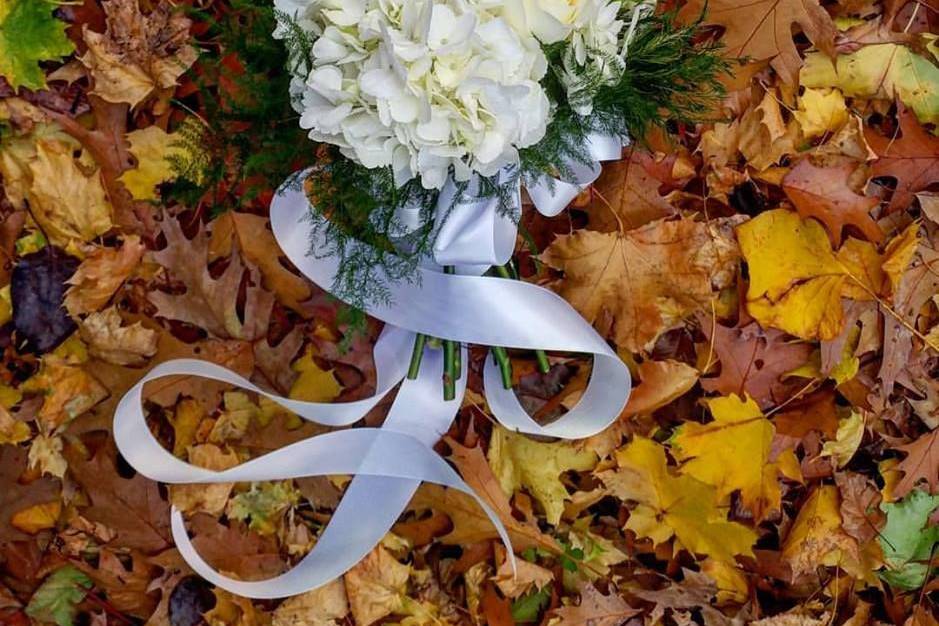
[68, 203]
[821, 111]
[313, 384]
[519, 461]
[674, 505]
[153, 148]
[712, 453]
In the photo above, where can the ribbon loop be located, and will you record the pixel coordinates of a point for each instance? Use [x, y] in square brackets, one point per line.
[388, 463]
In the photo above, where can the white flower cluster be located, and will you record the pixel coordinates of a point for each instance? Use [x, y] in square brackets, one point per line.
[424, 86]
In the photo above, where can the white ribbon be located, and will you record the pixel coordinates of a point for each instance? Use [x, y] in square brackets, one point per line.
[389, 463]
[476, 231]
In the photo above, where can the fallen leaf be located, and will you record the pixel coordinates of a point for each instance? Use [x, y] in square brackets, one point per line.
[323, 606]
[525, 578]
[263, 506]
[797, 281]
[908, 540]
[29, 34]
[595, 609]
[921, 464]
[16, 495]
[100, 275]
[763, 30]
[847, 440]
[313, 384]
[627, 196]
[37, 517]
[37, 291]
[132, 507]
[886, 71]
[138, 53]
[764, 137]
[256, 242]
[711, 453]
[816, 537]
[376, 586]
[824, 193]
[821, 111]
[45, 454]
[519, 461]
[69, 391]
[57, 598]
[154, 150]
[673, 505]
[647, 279]
[109, 341]
[912, 159]
[69, 204]
[661, 382]
[753, 360]
[210, 498]
[235, 549]
[208, 302]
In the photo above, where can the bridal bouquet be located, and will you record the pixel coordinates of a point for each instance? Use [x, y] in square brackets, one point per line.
[425, 103]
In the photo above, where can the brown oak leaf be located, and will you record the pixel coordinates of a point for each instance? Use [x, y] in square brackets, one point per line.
[256, 242]
[921, 464]
[646, 280]
[752, 361]
[763, 30]
[912, 159]
[595, 609]
[210, 303]
[132, 507]
[824, 193]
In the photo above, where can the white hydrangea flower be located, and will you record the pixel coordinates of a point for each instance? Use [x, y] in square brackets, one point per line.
[421, 85]
[592, 29]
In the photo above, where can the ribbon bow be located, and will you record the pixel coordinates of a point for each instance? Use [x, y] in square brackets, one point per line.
[390, 462]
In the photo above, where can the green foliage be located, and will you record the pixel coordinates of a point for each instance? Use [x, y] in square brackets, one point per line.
[529, 607]
[908, 540]
[251, 139]
[668, 76]
[30, 34]
[57, 598]
[361, 225]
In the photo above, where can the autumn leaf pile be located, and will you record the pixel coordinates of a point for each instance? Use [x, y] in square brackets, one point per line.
[770, 277]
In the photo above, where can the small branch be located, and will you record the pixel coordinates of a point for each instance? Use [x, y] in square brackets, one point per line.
[505, 365]
[417, 354]
[544, 366]
[450, 360]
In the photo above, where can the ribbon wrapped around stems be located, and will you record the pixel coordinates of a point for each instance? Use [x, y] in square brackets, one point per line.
[390, 462]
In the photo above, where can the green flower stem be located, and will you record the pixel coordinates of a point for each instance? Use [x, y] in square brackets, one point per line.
[417, 354]
[543, 365]
[451, 365]
[505, 365]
